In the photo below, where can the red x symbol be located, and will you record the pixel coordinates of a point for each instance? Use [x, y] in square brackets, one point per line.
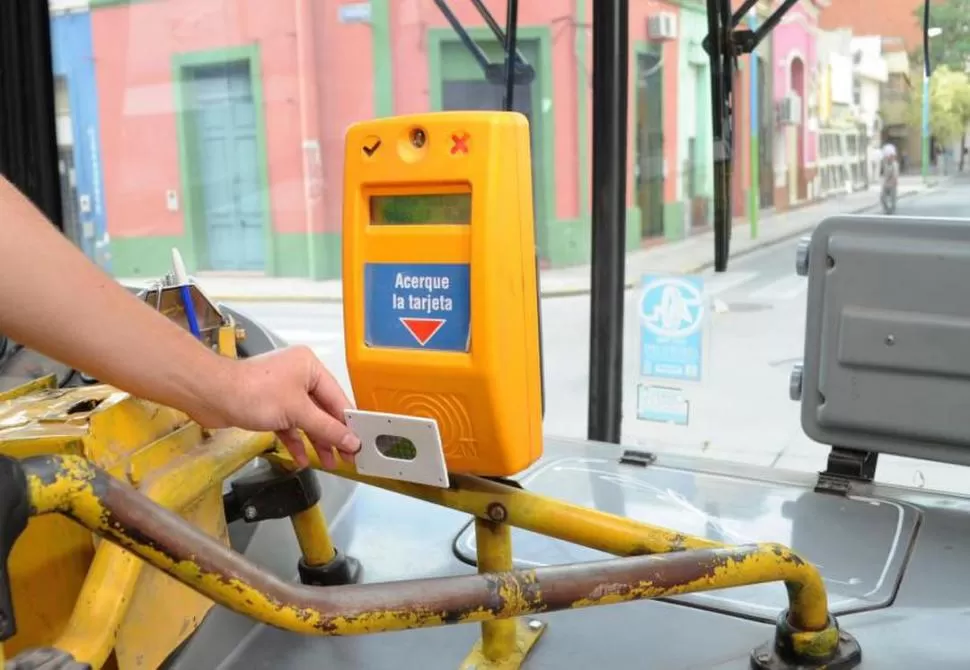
[460, 144]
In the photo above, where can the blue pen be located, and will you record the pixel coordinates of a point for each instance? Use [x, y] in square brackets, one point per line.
[182, 279]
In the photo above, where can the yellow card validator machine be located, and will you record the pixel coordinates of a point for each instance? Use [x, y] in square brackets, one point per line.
[440, 298]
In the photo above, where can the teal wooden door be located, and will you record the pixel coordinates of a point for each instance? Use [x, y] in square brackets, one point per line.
[230, 198]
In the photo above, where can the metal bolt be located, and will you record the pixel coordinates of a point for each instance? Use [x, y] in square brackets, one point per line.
[795, 382]
[535, 624]
[418, 138]
[496, 512]
[250, 512]
[890, 340]
[801, 256]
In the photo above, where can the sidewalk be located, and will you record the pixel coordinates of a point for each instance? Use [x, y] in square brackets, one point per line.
[687, 256]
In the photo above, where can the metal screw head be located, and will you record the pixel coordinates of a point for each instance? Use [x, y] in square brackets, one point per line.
[763, 658]
[890, 340]
[418, 138]
[801, 256]
[535, 624]
[249, 512]
[496, 512]
[795, 382]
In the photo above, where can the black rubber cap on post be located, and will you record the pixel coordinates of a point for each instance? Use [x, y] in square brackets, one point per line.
[340, 571]
[828, 649]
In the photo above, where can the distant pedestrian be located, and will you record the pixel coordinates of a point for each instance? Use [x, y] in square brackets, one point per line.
[890, 180]
[888, 151]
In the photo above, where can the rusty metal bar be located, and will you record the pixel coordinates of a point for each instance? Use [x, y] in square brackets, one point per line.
[71, 486]
[91, 632]
[487, 499]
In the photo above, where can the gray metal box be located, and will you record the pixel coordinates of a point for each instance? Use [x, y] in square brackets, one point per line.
[887, 337]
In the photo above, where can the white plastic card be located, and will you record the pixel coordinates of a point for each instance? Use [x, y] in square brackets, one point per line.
[394, 446]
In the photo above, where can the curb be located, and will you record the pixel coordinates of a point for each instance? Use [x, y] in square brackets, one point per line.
[756, 246]
[784, 237]
[571, 292]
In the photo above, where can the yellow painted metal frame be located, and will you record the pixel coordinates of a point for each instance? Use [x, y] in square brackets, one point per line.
[67, 577]
[108, 591]
[506, 639]
[179, 467]
[96, 600]
[73, 489]
[505, 505]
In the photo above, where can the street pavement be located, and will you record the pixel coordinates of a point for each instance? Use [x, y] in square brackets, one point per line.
[684, 256]
[741, 412]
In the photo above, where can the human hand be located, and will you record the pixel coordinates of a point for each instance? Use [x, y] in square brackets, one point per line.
[286, 391]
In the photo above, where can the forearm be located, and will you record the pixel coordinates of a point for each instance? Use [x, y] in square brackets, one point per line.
[54, 300]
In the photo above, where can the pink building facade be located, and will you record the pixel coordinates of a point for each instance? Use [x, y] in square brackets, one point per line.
[223, 121]
[796, 138]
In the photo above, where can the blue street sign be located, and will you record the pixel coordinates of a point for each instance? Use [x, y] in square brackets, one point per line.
[672, 317]
[417, 306]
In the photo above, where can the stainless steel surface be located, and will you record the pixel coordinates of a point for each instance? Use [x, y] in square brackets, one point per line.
[258, 340]
[168, 301]
[398, 538]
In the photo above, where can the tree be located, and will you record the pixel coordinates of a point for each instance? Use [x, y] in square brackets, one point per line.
[949, 106]
[952, 46]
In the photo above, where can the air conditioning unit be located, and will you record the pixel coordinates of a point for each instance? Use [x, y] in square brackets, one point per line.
[662, 27]
[788, 110]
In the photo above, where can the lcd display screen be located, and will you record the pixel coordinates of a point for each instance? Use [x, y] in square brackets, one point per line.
[453, 209]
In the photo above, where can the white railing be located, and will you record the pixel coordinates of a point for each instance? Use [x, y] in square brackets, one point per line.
[843, 160]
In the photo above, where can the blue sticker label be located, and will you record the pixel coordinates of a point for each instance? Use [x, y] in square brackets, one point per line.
[417, 306]
[663, 405]
[672, 327]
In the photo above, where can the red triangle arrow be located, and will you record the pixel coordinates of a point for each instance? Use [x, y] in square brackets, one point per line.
[423, 329]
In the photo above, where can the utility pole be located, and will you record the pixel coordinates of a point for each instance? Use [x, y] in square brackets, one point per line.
[926, 126]
[930, 34]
